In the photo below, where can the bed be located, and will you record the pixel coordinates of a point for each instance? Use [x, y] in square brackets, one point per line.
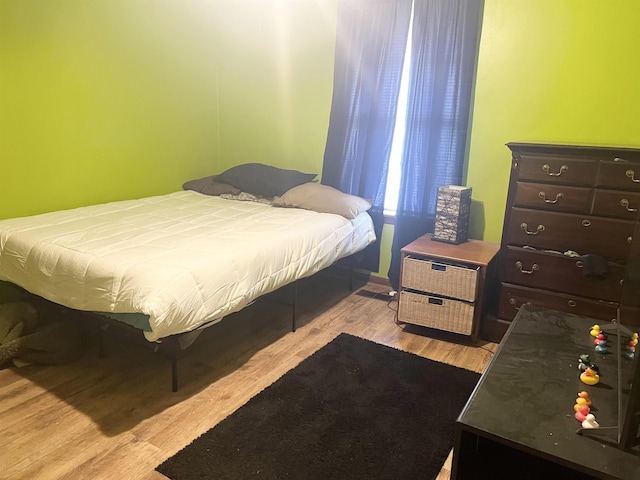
[170, 265]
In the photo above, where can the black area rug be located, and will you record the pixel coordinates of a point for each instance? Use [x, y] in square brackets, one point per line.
[354, 409]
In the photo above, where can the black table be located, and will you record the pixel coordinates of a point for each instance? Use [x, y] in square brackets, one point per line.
[519, 422]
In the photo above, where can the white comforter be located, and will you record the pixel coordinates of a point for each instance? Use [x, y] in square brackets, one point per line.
[184, 259]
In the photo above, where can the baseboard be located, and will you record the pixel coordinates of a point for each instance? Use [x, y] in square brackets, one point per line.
[379, 280]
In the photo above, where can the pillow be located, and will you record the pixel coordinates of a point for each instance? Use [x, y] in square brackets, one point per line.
[210, 186]
[264, 180]
[323, 199]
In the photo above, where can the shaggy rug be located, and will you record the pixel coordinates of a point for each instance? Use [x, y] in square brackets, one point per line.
[354, 409]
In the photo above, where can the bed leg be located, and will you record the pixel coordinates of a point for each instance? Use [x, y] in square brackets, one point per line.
[294, 306]
[351, 275]
[174, 373]
[101, 331]
[174, 350]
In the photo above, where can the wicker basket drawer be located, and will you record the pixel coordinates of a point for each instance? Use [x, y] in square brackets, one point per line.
[440, 278]
[436, 312]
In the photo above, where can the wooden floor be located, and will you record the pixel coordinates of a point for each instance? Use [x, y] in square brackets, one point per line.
[117, 418]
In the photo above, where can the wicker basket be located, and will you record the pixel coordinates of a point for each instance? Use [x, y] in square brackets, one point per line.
[440, 278]
[436, 312]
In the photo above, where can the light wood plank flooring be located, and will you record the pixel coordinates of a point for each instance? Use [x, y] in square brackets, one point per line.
[117, 418]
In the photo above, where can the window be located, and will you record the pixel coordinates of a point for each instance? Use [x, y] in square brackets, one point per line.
[397, 145]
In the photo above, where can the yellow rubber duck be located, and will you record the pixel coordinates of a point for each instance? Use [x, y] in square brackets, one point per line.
[595, 330]
[584, 396]
[580, 402]
[590, 375]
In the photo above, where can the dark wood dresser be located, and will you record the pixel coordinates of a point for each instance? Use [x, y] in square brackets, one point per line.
[568, 237]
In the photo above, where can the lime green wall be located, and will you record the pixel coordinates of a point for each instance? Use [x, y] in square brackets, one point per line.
[550, 71]
[276, 80]
[106, 100]
[102, 100]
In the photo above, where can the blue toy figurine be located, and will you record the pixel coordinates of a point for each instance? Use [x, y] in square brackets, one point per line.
[601, 346]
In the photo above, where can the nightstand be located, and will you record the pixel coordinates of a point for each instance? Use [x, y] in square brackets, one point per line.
[444, 286]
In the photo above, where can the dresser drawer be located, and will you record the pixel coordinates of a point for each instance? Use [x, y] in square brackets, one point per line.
[610, 238]
[559, 273]
[619, 174]
[614, 203]
[512, 297]
[557, 169]
[558, 198]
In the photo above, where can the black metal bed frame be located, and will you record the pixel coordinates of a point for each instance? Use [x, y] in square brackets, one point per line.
[170, 346]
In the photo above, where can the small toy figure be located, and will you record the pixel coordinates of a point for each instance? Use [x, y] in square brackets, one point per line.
[581, 413]
[630, 351]
[600, 337]
[601, 346]
[590, 421]
[595, 330]
[580, 402]
[590, 376]
[630, 348]
[585, 396]
[583, 362]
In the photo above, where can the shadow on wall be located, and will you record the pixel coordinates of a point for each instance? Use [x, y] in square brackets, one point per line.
[477, 223]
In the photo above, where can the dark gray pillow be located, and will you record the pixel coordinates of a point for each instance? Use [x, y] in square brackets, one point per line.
[210, 186]
[264, 180]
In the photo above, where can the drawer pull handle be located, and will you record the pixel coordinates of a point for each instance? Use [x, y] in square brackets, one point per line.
[514, 302]
[539, 229]
[625, 203]
[534, 267]
[543, 196]
[586, 223]
[563, 168]
[579, 264]
[631, 174]
[571, 303]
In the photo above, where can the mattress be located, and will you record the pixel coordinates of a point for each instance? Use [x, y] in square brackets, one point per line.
[183, 259]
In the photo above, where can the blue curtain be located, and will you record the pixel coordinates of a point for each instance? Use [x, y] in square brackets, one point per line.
[445, 39]
[370, 44]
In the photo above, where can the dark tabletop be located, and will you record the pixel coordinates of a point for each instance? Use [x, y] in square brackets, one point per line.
[525, 398]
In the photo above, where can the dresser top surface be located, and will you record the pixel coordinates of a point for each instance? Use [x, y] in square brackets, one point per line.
[570, 149]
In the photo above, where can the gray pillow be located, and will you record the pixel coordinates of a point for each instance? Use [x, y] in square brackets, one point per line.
[264, 180]
[323, 199]
[210, 186]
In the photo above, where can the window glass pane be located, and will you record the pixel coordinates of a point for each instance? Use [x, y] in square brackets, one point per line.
[393, 177]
